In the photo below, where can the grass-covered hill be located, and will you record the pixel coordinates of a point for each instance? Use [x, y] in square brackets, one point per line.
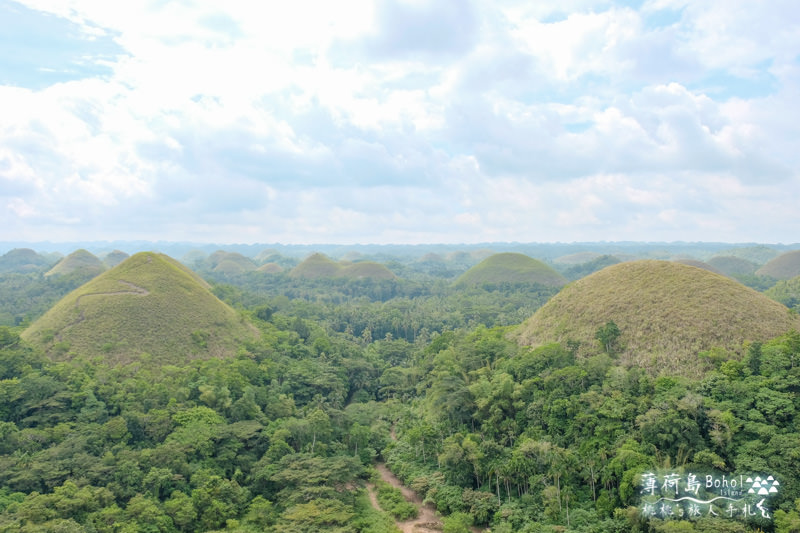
[270, 268]
[149, 304]
[114, 258]
[316, 265]
[366, 269]
[319, 266]
[730, 265]
[22, 261]
[511, 267]
[785, 266]
[666, 314]
[79, 261]
[230, 263]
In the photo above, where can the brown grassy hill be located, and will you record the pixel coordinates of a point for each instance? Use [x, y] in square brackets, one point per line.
[149, 304]
[785, 266]
[731, 265]
[80, 261]
[666, 313]
[511, 267]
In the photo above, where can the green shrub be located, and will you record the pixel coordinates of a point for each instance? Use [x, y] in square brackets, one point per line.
[392, 501]
[457, 523]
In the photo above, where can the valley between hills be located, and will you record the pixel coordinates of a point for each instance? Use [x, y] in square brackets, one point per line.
[512, 388]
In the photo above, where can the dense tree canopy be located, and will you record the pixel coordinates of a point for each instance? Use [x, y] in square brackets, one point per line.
[283, 436]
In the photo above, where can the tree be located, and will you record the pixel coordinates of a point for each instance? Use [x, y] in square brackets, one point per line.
[608, 336]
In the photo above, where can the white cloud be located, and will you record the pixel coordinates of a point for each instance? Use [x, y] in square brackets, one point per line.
[346, 121]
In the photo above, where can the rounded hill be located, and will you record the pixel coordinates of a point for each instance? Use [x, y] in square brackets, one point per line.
[666, 313]
[114, 258]
[785, 266]
[22, 260]
[366, 269]
[731, 265]
[321, 266]
[79, 261]
[270, 268]
[511, 267]
[149, 304]
[316, 266]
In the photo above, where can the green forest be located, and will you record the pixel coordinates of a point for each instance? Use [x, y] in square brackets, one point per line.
[422, 371]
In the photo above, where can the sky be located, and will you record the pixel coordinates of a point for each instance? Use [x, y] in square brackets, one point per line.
[399, 121]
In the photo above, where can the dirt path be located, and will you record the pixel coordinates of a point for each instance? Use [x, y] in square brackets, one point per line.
[425, 522]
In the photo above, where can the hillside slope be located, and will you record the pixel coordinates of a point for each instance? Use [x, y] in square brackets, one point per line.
[150, 304]
[666, 313]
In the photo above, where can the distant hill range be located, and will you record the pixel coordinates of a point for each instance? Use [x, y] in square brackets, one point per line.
[785, 266]
[666, 313]
[511, 267]
[318, 266]
[148, 304]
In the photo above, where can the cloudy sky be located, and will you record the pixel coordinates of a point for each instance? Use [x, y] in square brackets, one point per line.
[399, 121]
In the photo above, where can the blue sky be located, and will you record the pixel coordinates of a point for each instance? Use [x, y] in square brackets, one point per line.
[399, 121]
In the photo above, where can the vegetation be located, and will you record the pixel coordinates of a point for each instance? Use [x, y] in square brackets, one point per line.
[281, 435]
[786, 292]
[581, 270]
